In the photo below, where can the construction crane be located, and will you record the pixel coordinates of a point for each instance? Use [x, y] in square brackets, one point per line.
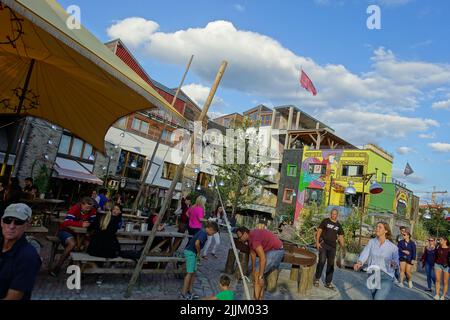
[433, 193]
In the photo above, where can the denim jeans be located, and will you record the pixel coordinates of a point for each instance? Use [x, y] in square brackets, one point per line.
[431, 275]
[385, 287]
[273, 260]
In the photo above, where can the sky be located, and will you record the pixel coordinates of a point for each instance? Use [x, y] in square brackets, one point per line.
[388, 86]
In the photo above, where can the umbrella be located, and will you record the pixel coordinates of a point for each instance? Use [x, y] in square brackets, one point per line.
[66, 76]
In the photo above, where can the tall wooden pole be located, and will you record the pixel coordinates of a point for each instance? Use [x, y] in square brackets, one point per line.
[178, 173]
[149, 164]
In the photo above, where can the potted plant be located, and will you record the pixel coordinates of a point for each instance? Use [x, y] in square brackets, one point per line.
[42, 181]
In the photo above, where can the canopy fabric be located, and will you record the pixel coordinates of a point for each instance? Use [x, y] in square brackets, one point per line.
[75, 81]
[72, 170]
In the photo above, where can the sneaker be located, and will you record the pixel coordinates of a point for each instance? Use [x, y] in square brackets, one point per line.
[214, 255]
[400, 284]
[443, 298]
[410, 284]
[436, 297]
[186, 296]
[316, 282]
[330, 286]
[205, 257]
[194, 296]
[428, 290]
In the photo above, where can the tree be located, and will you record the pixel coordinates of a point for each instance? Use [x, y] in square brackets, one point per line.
[240, 183]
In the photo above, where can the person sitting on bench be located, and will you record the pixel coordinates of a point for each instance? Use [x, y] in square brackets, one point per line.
[269, 250]
[80, 215]
[103, 231]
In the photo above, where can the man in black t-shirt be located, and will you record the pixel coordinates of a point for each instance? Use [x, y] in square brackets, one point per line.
[330, 230]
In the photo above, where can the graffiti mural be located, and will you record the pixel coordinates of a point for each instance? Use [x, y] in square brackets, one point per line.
[315, 173]
[402, 201]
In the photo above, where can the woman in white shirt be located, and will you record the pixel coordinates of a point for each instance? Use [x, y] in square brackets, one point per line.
[381, 255]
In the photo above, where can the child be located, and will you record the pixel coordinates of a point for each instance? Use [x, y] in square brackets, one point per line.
[225, 293]
[192, 253]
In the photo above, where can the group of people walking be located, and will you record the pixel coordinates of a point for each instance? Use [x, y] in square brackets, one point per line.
[394, 262]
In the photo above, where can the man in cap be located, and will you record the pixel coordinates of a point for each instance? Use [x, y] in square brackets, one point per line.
[19, 261]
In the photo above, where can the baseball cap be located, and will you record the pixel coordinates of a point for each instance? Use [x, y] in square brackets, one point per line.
[18, 210]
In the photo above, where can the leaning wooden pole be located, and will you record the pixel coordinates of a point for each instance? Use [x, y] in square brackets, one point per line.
[147, 170]
[178, 173]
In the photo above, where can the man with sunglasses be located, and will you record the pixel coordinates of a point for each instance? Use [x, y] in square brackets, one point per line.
[19, 261]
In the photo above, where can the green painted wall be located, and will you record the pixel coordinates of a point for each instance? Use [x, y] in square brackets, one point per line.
[384, 201]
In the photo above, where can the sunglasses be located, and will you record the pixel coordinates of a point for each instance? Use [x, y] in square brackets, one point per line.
[17, 222]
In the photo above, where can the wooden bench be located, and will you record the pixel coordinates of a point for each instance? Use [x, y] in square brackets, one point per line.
[83, 259]
[56, 246]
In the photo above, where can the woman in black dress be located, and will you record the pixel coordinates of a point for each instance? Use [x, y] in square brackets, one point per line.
[103, 242]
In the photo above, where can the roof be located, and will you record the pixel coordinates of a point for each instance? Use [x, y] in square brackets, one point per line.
[261, 106]
[307, 140]
[228, 115]
[285, 109]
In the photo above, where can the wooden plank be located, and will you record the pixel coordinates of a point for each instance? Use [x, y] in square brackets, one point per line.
[84, 257]
[231, 260]
[37, 230]
[158, 234]
[272, 280]
[130, 271]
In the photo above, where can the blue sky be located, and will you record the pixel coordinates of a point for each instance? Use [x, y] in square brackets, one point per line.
[388, 86]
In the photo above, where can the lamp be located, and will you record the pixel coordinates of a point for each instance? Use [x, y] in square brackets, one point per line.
[375, 188]
[427, 215]
[350, 189]
[133, 164]
[199, 188]
[196, 170]
[221, 183]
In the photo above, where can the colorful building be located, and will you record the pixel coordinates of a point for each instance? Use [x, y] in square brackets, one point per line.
[325, 173]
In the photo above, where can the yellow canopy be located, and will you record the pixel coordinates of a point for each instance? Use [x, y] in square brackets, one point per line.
[71, 78]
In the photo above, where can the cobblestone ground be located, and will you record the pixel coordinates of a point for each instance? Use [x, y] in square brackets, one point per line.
[350, 285]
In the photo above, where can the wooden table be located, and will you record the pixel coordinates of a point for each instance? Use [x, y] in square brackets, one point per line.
[80, 234]
[46, 207]
[134, 217]
[37, 230]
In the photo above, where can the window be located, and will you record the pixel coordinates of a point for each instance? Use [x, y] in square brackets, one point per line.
[169, 170]
[122, 122]
[291, 170]
[383, 177]
[130, 165]
[166, 135]
[76, 148]
[349, 171]
[64, 145]
[288, 195]
[313, 195]
[317, 168]
[139, 125]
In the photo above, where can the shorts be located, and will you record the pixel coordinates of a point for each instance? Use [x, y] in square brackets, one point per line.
[64, 236]
[191, 261]
[406, 260]
[438, 266]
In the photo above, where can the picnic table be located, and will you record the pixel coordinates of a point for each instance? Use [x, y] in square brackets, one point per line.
[45, 207]
[134, 217]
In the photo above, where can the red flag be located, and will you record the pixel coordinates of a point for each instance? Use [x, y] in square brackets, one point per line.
[306, 83]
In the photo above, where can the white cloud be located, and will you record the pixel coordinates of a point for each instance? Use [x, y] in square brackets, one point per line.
[133, 31]
[200, 93]
[260, 66]
[422, 44]
[412, 179]
[405, 150]
[239, 7]
[360, 127]
[427, 135]
[440, 147]
[441, 105]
